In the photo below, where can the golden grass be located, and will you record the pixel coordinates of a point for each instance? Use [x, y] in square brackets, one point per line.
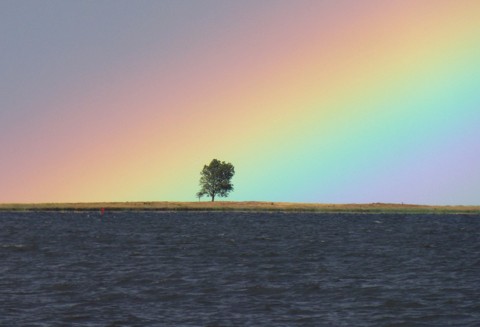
[241, 206]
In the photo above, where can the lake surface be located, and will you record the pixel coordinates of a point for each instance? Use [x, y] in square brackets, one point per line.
[238, 269]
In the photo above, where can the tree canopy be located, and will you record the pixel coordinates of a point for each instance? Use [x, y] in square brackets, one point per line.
[215, 179]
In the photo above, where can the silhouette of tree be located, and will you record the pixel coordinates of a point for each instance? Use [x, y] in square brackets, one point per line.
[215, 179]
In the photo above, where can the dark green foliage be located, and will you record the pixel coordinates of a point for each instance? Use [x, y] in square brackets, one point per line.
[215, 179]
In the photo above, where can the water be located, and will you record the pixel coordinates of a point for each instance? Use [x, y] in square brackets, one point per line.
[238, 269]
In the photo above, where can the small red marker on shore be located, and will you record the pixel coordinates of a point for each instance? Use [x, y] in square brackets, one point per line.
[102, 211]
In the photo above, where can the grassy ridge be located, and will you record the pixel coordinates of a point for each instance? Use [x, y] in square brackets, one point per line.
[241, 206]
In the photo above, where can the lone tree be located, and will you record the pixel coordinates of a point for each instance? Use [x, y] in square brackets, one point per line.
[215, 179]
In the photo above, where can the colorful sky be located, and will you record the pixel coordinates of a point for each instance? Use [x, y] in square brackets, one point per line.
[336, 101]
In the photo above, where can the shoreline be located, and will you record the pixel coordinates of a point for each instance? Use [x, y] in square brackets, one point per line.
[248, 206]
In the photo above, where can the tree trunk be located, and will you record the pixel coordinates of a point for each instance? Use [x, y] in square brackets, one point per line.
[213, 197]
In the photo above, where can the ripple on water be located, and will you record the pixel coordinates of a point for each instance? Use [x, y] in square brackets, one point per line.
[231, 269]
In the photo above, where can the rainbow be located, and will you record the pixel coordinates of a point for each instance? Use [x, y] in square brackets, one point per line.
[312, 101]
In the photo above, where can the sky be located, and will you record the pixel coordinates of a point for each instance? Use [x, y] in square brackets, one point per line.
[334, 101]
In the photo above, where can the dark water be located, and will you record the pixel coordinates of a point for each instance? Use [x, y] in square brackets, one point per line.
[238, 269]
